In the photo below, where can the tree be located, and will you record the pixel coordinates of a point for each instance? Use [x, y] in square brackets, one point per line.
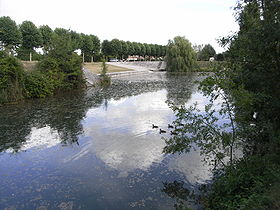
[250, 87]
[137, 48]
[158, 50]
[143, 50]
[148, 49]
[95, 45]
[105, 80]
[131, 50]
[116, 47]
[219, 57]
[11, 78]
[180, 57]
[46, 33]
[106, 48]
[76, 40]
[31, 36]
[61, 61]
[206, 53]
[86, 47]
[254, 55]
[153, 50]
[163, 50]
[124, 49]
[10, 36]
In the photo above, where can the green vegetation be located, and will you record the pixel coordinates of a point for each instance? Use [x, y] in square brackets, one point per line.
[180, 56]
[247, 87]
[31, 38]
[11, 79]
[59, 68]
[206, 53]
[10, 36]
[121, 49]
[105, 80]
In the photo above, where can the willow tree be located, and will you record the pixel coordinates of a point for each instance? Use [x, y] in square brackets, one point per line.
[180, 56]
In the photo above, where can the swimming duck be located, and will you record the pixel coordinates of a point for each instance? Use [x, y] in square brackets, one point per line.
[154, 126]
[170, 126]
[162, 131]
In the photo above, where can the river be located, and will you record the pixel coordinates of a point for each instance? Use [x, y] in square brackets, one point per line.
[96, 148]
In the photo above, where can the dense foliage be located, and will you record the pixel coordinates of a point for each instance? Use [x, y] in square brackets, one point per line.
[250, 84]
[10, 36]
[61, 62]
[180, 56]
[206, 53]
[121, 49]
[105, 80]
[60, 68]
[11, 79]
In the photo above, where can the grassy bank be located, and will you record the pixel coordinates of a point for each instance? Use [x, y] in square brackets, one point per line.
[207, 66]
[96, 68]
[29, 65]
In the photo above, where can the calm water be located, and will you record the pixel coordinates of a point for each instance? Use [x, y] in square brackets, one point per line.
[96, 149]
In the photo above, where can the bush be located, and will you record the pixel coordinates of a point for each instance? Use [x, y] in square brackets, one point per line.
[11, 79]
[48, 64]
[105, 80]
[66, 73]
[38, 85]
[73, 74]
[250, 185]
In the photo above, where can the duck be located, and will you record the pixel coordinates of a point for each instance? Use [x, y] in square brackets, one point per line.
[162, 131]
[154, 126]
[173, 133]
[170, 126]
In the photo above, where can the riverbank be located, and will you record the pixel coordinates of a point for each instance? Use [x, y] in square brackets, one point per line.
[95, 67]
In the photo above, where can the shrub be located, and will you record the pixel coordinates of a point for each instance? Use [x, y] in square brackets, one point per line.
[11, 79]
[105, 80]
[38, 85]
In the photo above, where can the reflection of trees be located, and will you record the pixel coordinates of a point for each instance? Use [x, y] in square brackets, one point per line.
[65, 111]
[62, 112]
[182, 195]
[180, 87]
[177, 191]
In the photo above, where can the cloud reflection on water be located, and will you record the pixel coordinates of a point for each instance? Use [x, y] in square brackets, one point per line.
[122, 136]
[40, 138]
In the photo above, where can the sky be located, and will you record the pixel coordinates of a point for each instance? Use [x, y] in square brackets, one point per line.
[145, 21]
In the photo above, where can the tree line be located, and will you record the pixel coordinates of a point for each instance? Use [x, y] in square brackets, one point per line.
[24, 38]
[122, 49]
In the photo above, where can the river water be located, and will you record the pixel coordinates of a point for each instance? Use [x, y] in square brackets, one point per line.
[96, 149]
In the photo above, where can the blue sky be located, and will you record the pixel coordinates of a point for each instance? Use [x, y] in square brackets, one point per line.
[150, 21]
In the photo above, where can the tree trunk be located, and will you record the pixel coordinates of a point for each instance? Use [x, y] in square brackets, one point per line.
[30, 56]
[83, 57]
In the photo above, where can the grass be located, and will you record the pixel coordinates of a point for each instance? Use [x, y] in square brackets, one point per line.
[96, 67]
[29, 65]
[206, 66]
